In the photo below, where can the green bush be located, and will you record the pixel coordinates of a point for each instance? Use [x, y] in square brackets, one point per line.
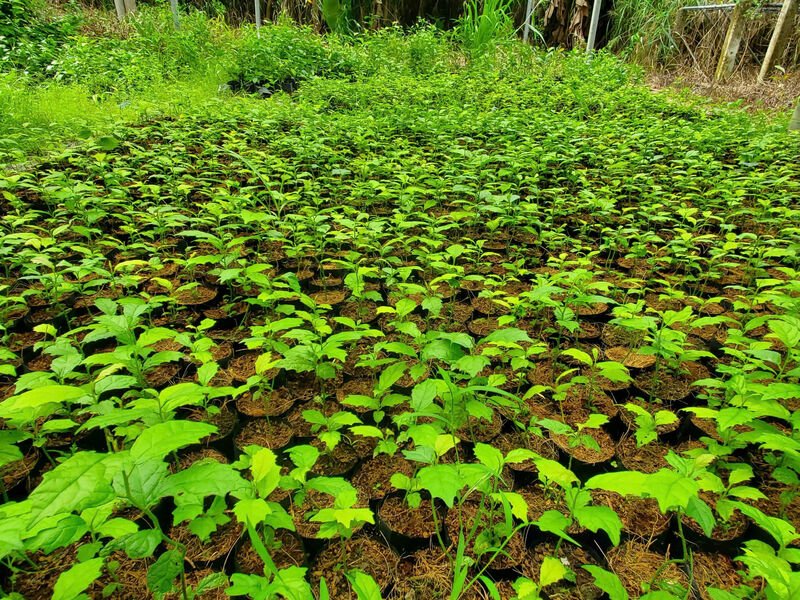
[287, 53]
[154, 54]
[27, 41]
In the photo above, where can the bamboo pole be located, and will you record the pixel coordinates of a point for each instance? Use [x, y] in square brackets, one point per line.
[733, 39]
[780, 38]
[258, 17]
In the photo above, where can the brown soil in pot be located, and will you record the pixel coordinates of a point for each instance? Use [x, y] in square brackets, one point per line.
[481, 430]
[18, 471]
[417, 523]
[647, 459]
[540, 501]
[716, 570]
[483, 326]
[336, 462]
[331, 297]
[634, 563]
[671, 387]
[289, 554]
[573, 557]
[372, 480]
[197, 296]
[366, 313]
[162, 374]
[428, 575]
[585, 454]
[723, 532]
[617, 335]
[355, 387]
[362, 553]
[640, 517]
[187, 459]
[630, 357]
[542, 446]
[270, 404]
[228, 311]
[464, 515]
[272, 434]
[220, 543]
[243, 367]
[225, 422]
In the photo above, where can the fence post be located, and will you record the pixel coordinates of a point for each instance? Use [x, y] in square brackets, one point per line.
[780, 38]
[730, 48]
[176, 18]
[794, 123]
[526, 30]
[598, 5]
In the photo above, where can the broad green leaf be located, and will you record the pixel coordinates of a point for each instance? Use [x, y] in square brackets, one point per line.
[626, 483]
[266, 472]
[160, 439]
[162, 573]
[600, 517]
[78, 483]
[608, 582]
[552, 570]
[77, 578]
[363, 585]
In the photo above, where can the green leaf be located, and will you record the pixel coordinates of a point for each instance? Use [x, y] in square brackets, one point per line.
[142, 543]
[510, 335]
[608, 582]
[35, 399]
[600, 517]
[671, 489]
[107, 143]
[363, 585]
[552, 570]
[266, 472]
[700, 512]
[490, 457]
[160, 439]
[442, 481]
[555, 472]
[77, 578]
[76, 484]
[626, 483]
[251, 512]
[423, 395]
[556, 523]
[162, 573]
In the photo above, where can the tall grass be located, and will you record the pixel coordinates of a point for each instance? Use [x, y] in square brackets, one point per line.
[642, 29]
[485, 22]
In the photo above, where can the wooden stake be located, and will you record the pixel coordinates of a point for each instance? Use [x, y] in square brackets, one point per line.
[730, 48]
[780, 38]
[598, 5]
